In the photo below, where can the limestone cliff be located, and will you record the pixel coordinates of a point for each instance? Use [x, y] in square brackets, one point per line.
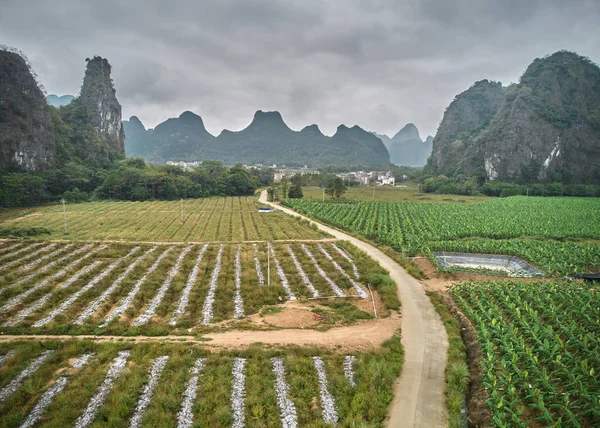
[545, 128]
[455, 143]
[26, 130]
[98, 96]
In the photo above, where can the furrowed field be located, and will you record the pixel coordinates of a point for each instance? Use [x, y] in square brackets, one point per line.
[85, 384]
[559, 235]
[540, 347]
[194, 220]
[124, 289]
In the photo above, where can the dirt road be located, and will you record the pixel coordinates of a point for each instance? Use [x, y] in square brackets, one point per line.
[419, 399]
[362, 336]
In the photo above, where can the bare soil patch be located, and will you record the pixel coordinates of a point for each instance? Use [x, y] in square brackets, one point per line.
[293, 315]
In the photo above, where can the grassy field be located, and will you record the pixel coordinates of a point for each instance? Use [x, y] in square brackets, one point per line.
[157, 385]
[115, 288]
[409, 193]
[196, 220]
[559, 235]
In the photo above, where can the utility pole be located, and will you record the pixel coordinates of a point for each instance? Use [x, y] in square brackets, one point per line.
[63, 202]
[268, 264]
[181, 210]
[373, 192]
[323, 194]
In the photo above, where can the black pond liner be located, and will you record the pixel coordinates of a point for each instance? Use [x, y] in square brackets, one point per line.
[514, 266]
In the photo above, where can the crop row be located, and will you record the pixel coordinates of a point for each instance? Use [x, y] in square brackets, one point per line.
[116, 287]
[541, 350]
[194, 220]
[84, 384]
[544, 231]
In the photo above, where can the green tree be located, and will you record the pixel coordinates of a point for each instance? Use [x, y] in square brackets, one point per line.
[296, 191]
[285, 184]
[335, 187]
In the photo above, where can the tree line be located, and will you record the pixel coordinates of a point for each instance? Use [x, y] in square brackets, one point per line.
[130, 179]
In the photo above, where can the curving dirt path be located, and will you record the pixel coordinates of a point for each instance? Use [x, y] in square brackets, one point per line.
[419, 399]
[363, 336]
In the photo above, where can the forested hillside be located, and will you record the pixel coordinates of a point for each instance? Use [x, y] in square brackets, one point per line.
[546, 128]
[266, 140]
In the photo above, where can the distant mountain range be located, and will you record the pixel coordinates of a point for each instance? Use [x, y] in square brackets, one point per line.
[266, 140]
[56, 101]
[545, 128]
[406, 147]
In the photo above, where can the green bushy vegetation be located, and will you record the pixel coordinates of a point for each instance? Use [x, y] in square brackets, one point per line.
[541, 350]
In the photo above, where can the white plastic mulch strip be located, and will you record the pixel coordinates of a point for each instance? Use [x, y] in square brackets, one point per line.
[98, 302]
[127, 300]
[144, 401]
[207, 310]
[42, 300]
[64, 305]
[287, 409]
[281, 274]
[349, 361]
[330, 414]
[20, 297]
[50, 265]
[39, 260]
[12, 253]
[48, 396]
[9, 249]
[238, 302]
[6, 356]
[345, 255]
[185, 295]
[259, 272]
[18, 380]
[28, 256]
[146, 316]
[185, 419]
[238, 393]
[337, 290]
[362, 293]
[302, 274]
[115, 369]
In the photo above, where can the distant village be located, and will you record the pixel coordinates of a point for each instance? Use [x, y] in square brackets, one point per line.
[381, 178]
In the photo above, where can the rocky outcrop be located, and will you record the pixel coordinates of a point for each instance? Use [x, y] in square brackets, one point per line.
[545, 128]
[387, 141]
[135, 137]
[267, 139]
[409, 132]
[406, 147]
[26, 129]
[98, 96]
[455, 144]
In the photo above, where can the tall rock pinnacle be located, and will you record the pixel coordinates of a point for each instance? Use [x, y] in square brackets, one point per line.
[98, 95]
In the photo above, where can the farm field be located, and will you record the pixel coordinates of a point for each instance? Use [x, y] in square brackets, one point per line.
[203, 220]
[410, 193]
[559, 235]
[78, 383]
[540, 350]
[114, 288]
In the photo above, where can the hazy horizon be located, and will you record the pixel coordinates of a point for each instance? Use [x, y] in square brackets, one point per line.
[377, 66]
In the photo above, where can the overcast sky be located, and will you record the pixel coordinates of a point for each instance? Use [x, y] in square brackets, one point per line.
[377, 64]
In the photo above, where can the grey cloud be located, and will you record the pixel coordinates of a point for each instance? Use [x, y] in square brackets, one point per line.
[378, 64]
